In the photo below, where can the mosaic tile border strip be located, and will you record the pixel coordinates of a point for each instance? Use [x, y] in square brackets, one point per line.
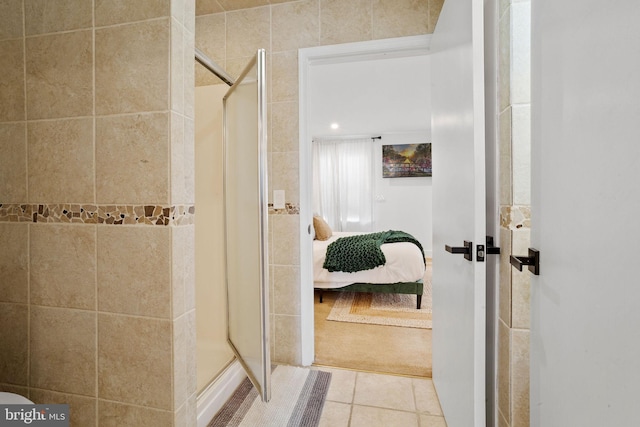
[289, 209]
[515, 217]
[98, 214]
[111, 214]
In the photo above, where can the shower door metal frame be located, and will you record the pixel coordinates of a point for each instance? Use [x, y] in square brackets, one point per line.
[262, 379]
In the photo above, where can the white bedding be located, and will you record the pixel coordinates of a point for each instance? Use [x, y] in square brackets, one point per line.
[404, 264]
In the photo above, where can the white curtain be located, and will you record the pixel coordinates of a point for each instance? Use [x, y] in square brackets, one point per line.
[342, 183]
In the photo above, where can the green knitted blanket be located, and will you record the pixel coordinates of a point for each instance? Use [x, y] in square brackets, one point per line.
[362, 252]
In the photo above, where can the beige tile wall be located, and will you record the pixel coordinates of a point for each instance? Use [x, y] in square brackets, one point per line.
[70, 62]
[96, 208]
[230, 32]
[515, 200]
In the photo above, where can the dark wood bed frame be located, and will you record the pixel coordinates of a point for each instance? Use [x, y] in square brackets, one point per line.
[390, 288]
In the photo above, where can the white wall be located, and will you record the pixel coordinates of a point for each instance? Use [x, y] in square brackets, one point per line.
[388, 97]
[402, 203]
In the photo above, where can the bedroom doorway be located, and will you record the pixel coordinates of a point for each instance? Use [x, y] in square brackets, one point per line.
[407, 350]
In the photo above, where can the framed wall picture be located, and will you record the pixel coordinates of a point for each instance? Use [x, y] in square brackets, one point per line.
[406, 160]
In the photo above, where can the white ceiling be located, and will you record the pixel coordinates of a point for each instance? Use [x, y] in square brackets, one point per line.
[371, 96]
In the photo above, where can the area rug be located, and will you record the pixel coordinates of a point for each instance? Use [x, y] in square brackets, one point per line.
[297, 399]
[383, 309]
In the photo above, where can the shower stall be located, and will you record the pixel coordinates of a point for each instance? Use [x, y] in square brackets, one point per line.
[232, 280]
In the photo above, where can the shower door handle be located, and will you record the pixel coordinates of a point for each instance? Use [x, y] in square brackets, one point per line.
[465, 250]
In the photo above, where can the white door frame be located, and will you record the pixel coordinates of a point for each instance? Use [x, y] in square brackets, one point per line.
[307, 58]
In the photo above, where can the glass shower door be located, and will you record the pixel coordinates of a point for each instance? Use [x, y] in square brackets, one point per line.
[246, 214]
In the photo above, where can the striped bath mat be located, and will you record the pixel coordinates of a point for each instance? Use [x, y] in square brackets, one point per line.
[297, 398]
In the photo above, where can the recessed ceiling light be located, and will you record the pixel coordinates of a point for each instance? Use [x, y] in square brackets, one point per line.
[334, 126]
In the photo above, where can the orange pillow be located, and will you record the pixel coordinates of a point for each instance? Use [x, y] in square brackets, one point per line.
[323, 231]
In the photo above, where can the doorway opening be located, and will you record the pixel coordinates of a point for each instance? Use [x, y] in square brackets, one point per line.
[369, 89]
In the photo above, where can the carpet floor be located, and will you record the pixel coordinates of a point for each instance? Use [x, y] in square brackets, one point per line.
[297, 398]
[374, 348]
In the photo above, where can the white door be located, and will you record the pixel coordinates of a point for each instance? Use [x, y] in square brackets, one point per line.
[459, 212]
[246, 213]
[585, 321]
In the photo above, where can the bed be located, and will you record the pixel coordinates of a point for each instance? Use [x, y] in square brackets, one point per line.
[402, 273]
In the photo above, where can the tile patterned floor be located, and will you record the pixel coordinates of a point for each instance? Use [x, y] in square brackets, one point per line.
[362, 399]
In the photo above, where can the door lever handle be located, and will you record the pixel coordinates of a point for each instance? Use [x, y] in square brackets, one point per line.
[492, 250]
[532, 261]
[466, 250]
